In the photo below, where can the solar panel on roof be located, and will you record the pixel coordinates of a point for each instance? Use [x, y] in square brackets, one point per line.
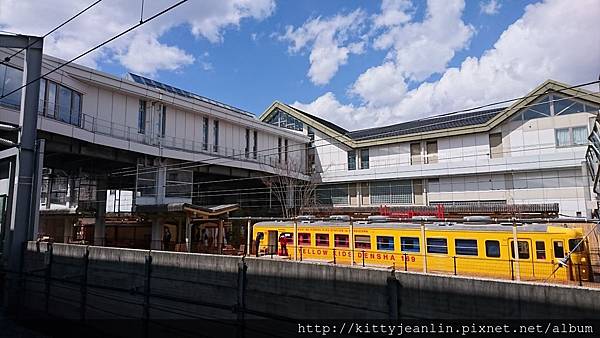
[174, 90]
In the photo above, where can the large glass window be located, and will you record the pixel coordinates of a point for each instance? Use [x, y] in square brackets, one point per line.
[216, 135]
[351, 159]
[364, 158]
[42, 97]
[279, 149]
[410, 244]
[285, 120]
[553, 105]
[51, 107]
[64, 104]
[10, 79]
[437, 245]
[562, 137]
[333, 194]
[142, 117]
[61, 103]
[571, 136]
[580, 136]
[467, 247]
[75, 108]
[392, 192]
[255, 145]
[205, 133]
[385, 243]
[247, 149]
[432, 152]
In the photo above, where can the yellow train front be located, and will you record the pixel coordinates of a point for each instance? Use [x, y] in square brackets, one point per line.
[544, 252]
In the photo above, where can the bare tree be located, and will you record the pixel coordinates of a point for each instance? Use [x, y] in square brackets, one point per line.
[293, 188]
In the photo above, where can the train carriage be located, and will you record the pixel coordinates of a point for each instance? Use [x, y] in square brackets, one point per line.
[487, 250]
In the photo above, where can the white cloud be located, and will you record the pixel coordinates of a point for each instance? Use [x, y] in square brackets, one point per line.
[329, 41]
[538, 46]
[139, 50]
[393, 12]
[171, 58]
[490, 7]
[424, 48]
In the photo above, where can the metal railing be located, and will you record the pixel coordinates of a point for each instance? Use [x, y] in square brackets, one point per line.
[511, 268]
[132, 134]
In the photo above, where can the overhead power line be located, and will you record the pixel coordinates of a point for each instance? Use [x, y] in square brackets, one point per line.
[98, 46]
[7, 59]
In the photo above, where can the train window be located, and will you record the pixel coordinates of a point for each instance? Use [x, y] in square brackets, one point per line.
[303, 239]
[467, 247]
[573, 243]
[341, 241]
[362, 242]
[409, 244]
[385, 243]
[559, 250]
[522, 246]
[492, 248]
[322, 239]
[540, 250]
[437, 245]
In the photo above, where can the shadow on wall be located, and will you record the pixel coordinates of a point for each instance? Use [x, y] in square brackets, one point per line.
[93, 285]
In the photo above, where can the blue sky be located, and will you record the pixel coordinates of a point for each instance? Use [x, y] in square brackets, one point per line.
[251, 74]
[356, 63]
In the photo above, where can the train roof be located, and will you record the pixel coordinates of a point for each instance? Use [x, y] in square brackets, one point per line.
[439, 226]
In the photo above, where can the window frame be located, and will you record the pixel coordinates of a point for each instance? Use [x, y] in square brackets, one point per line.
[142, 114]
[469, 251]
[429, 246]
[571, 138]
[304, 238]
[487, 250]
[512, 249]
[381, 244]
[320, 242]
[404, 246]
[358, 244]
[351, 159]
[364, 164]
[542, 250]
[337, 241]
[215, 136]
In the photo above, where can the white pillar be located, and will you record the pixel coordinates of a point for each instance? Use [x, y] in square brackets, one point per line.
[156, 232]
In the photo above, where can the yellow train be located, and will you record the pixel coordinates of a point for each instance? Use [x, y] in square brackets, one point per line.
[545, 252]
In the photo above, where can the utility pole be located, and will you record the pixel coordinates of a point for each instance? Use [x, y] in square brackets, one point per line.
[25, 195]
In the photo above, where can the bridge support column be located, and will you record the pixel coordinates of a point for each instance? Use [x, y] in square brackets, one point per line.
[157, 233]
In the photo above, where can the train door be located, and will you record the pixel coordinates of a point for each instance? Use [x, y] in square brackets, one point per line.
[523, 268]
[272, 241]
[558, 254]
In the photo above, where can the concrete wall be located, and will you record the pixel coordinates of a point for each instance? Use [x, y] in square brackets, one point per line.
[207, 286]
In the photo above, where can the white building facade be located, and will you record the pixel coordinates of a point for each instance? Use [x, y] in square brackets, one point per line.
[531, 152]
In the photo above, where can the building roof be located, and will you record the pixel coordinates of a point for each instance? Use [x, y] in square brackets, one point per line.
[432, 123]
[437, 122]
[444, 125]
[174, 90]
[324, 122]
